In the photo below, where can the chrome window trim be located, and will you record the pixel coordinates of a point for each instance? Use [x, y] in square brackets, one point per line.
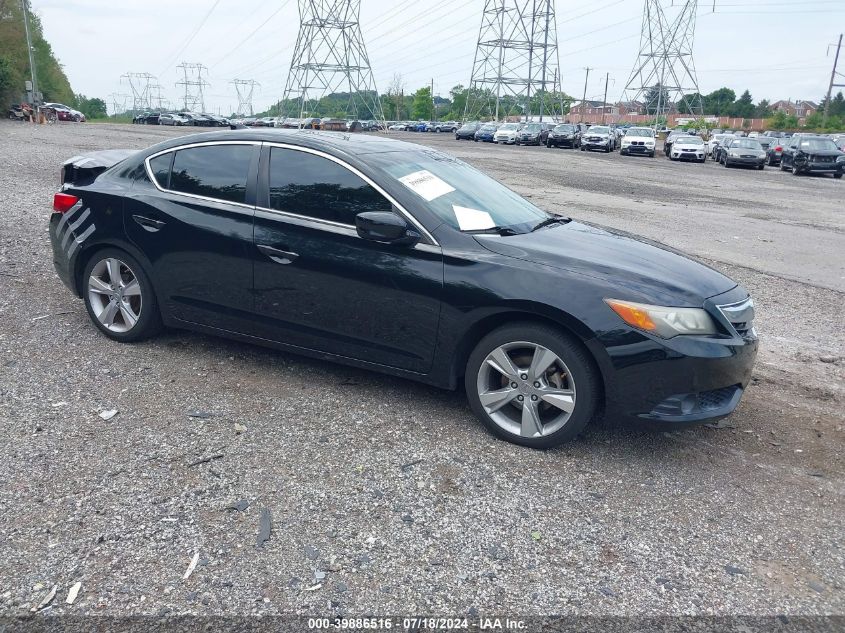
[408, 216]
[193, 195]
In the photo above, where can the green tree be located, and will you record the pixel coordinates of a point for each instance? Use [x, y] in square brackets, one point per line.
[91, 108]
[762, 110]
[782, 121]
[459, 102]
[423, 107]
[719, 102]
[744, 106]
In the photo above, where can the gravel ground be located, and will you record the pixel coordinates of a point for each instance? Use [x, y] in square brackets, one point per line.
[387, 497]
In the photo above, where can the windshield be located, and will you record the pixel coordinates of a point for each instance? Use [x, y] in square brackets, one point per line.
[533, 127]
[488, 128]
[639, 131]
[690, 140]
[510, 126]
[598, 129]
[746, 143]
[565, 128]
[818, 144]
[460, 195]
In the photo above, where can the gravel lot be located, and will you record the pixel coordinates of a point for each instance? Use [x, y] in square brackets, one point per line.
[387, 497]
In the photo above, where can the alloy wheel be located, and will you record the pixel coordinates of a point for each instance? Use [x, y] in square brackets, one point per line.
[115, 295]
[526, 389]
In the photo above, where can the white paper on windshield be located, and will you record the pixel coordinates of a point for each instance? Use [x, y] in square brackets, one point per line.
[427, 185]
[472, 219]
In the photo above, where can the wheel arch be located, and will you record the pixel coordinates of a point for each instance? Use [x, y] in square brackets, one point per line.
[89, 250]
[540, 315]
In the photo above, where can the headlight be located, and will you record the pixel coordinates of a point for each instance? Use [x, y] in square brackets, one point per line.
[663, 321]
[733, 152]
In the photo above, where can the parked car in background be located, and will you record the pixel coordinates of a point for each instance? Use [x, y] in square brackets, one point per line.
[719, 148]
[744, 152]
[311, 123]
[171, 118]
[638, 140]
[564, 135]
[146, 118]
[670, 139]
[63, 112]
[774, 152]
[599, 137]
[713, 142]
[399, 126]
[812, 153]
[546, 323]
[534, 134]
[486, 133]
[467, 131]
[507, 133]
[688, 148]
[445, 126]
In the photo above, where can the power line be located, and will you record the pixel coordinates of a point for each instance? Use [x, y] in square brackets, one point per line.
[194, 83]
[190, 37]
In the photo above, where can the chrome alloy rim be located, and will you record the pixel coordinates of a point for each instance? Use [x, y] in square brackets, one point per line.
[526, 389]
[115, 295]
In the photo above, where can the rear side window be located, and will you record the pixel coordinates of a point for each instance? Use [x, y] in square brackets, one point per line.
[319, 188]
[212, 171]
[160, 166]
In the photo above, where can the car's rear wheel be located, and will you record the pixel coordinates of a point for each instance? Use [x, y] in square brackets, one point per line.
[532, 385]
[795, 170]
[119, 296]
[837, 176]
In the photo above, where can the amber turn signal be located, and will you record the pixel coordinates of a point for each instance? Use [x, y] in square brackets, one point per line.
[632, 315]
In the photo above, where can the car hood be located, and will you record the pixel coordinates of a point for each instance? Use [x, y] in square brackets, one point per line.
[642, 270]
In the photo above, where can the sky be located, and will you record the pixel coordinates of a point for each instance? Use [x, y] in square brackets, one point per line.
[777, 49]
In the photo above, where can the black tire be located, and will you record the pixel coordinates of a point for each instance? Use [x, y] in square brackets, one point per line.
[577, 359]
[149, 319]
[795, 170]
[583, 149]
[837, 176]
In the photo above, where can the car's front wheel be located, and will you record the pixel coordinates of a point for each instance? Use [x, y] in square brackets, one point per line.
[532, 385]
[119, 296]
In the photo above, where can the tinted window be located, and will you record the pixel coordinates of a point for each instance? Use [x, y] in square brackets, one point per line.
[160, 166]
[319, 188]
[214, 171]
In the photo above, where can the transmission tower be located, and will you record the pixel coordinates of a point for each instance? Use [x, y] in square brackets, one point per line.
[330, 57]
[664, 71]
[118, 101]
[194, 84]
[244, 89]
[139, 85]
[516, 60]
[156, 100]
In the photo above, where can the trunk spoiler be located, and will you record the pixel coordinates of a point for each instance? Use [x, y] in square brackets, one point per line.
[84, 168]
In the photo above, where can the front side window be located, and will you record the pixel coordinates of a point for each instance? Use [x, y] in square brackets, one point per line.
[319, 188]
[212, 171]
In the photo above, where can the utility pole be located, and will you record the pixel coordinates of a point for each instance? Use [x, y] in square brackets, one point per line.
[584, 99]
[433, 106]
[33, 74]
[604, 102]
[833, 83]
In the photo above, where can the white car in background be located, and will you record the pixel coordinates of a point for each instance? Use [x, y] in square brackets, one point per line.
[638, 140]
[689, 148]
[507, 134]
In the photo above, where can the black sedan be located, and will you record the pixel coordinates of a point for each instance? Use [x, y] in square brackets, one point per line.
[467, 131]
[394, 257]
[564, 135]
[533, 134]
[810, 153]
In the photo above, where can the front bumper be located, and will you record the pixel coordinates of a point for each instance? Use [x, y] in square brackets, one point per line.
[638, 149]
[754, 161]
[680, 381]
[529, 140]
[821, 168]
[506, 140]
[687, 155]
[562, 140]
[589, 144]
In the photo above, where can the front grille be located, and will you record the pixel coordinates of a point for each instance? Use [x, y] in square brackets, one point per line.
[741, 317]
[715, 399]
[695, 404]
[747, 156]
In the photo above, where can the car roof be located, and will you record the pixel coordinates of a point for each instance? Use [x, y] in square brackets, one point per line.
[352, 144]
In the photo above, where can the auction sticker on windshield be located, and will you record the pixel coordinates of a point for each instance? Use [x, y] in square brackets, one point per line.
[472, 219]
[426, 185]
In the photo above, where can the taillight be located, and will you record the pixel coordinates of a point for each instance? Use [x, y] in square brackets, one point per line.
[778, 149]
[62, 202]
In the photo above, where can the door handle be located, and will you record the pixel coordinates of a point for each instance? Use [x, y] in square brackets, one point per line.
[277, 255]
[148, 224]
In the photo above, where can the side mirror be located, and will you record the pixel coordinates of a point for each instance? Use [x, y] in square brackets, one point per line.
[381, 226]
